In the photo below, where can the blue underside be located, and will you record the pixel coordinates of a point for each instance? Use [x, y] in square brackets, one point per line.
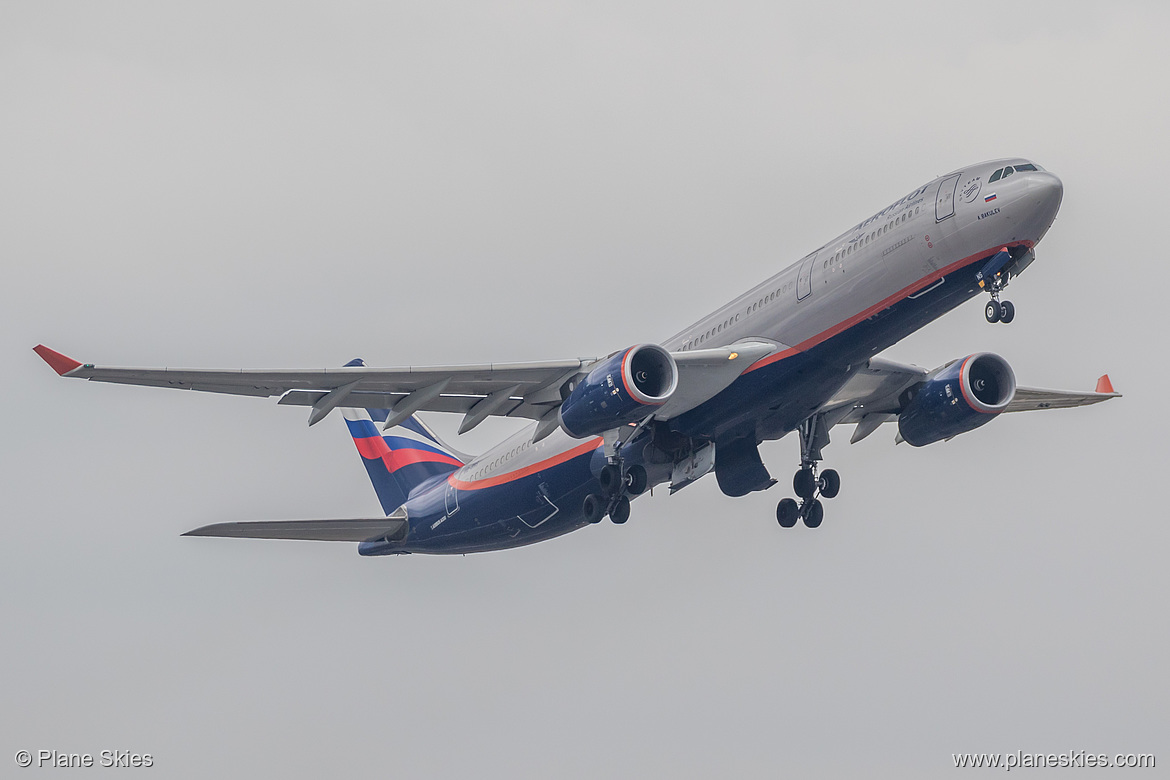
[767, 402]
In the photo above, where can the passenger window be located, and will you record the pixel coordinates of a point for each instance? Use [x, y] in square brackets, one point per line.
[995, 176]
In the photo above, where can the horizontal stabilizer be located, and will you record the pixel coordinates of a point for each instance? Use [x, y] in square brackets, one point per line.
[391, 528]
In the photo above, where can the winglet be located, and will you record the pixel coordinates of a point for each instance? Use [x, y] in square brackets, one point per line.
[1104, 385]
[58, 362]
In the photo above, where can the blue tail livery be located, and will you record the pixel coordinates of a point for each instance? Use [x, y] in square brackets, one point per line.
[401, 460]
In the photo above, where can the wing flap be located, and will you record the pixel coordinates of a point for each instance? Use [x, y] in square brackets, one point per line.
[359, 530]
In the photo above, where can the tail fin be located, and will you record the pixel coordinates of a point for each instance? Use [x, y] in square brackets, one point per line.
[400, 459]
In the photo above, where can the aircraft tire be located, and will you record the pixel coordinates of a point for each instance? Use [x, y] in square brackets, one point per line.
[1007, 312]
[610, 479]
[621, 510]
[804, 484]
[593, 508]
[814, 513]
[830, 483]
[991, 312]
[787, 513]
[636, 480]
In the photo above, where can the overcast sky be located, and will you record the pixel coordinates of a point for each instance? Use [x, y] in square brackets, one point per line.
[282, 185]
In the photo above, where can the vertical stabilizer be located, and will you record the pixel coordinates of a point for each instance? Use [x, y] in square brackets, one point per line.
[401, 459]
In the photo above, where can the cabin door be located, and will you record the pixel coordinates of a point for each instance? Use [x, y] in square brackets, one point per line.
[804, 278]
[944, 204]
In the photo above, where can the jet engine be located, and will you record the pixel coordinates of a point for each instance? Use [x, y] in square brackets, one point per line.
[623, 388]
[959, 397]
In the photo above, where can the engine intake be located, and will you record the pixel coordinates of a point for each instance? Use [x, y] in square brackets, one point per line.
[959, 397]
[623, 388]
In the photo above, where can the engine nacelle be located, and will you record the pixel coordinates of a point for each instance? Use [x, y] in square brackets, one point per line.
[957, 398]
[622, 389]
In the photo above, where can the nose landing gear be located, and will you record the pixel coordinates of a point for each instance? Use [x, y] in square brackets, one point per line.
[806, 483]
[993, 279]
[999, 311]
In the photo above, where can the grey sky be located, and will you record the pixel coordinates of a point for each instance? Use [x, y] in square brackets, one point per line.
[262, 184]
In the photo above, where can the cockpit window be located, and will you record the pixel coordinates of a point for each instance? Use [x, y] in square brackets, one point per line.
[1003, 173]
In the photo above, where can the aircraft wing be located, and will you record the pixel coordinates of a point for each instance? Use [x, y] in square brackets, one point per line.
[1028, 398]
[391, 528]
[514, 389]
[872, 396]
[525, 390]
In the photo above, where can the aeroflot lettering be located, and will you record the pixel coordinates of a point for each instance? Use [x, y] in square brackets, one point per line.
[881, 214]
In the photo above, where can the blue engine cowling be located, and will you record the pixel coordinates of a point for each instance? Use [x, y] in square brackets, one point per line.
[959, 397]
[624, 388]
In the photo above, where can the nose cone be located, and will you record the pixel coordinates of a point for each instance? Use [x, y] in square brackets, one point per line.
[1044, 193]
[1039, 201]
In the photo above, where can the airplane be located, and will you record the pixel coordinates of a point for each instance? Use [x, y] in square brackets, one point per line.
[797, 353]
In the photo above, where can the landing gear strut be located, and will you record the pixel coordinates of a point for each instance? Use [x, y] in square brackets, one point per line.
[809, 486]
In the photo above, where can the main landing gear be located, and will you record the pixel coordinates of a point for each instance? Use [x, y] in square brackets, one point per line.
[617, 485]
[807, 484]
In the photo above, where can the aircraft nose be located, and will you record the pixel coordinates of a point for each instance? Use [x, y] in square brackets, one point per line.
[1036, 201]
[1043, 194]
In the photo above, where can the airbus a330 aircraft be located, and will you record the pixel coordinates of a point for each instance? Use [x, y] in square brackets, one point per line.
[796, 353]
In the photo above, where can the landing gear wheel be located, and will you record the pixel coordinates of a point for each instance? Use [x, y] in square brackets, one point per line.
[620, 512]
[804, 483]
[610, 479]
[636, 481]
[813, 512]
[992, 311]
[787, 513]
[593, 508]
[1007, 312]
[830, 483]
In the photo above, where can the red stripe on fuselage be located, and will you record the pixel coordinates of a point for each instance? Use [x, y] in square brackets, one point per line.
[905, 292]
[511, 476]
